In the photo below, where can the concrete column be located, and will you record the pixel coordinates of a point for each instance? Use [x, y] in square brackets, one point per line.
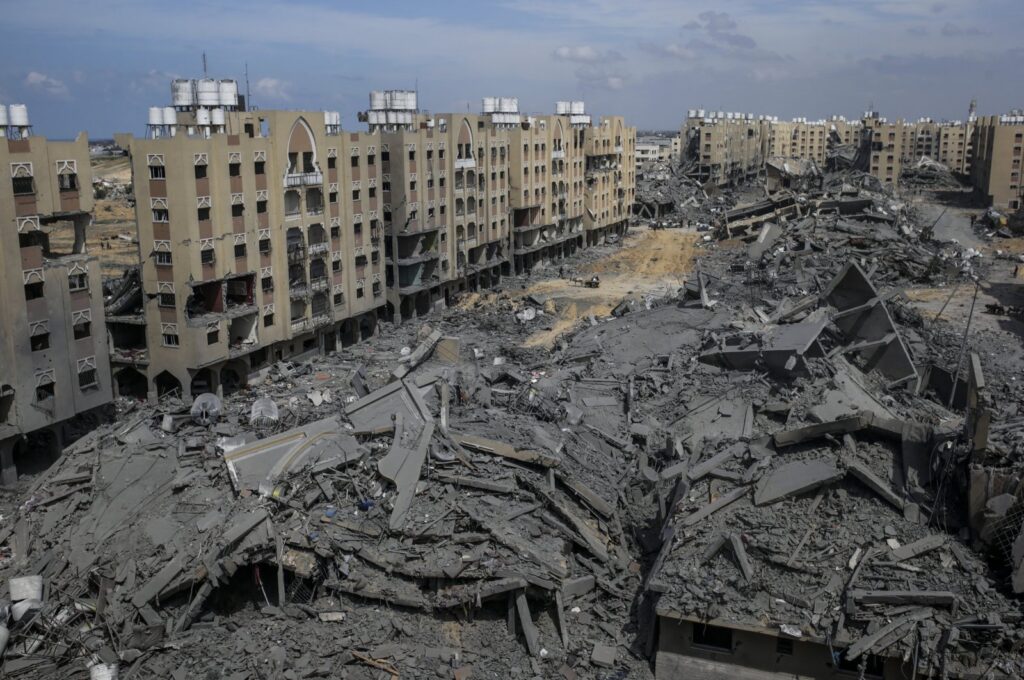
[8, 472]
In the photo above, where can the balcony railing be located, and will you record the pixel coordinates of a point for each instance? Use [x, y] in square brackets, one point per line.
[461, 163]
[298, 291]
[321, 319]
[296, 252]
[558, 153]
[319, 283]
[299, 325]
[302, 179]
[318, 248]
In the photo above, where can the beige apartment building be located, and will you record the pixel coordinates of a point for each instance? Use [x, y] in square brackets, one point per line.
[269, 235]
[949, 143]
[53, 348]
[722, 148]
[610, 178]
[260, 238]
[800, 138]
[996, 166]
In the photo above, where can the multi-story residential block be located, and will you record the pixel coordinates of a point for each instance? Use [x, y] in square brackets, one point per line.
[799, 138]
[260, 238]
[267, 235]
[53, 348]
[722, 148]
[610, 178]
[948, 143]
[996, 164]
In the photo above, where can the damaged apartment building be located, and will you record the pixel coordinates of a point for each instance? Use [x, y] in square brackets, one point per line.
[267, 235]
[52, 340]
[726, 148]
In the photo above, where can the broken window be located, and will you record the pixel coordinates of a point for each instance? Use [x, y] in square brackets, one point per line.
[44, 392]
[161, 215]
[87, 379]
[213, 337]
[82, 330]
[40, 342]
[200, 171]
[203, 214]
[267, 283]
[237, 210]
[714, 637]
[78, 282]
[268, 320]
[34, 291]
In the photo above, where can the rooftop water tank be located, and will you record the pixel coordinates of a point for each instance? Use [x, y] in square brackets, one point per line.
[181, 93]
[170, 116]
[19, 115]
[207, 92]
[202, 116]
[562, 108]
[217, 117]
[576, 107]
[377, 100]
[490, 104]
[156, 115]
[228, 90]
[3, 116]
[701, 113]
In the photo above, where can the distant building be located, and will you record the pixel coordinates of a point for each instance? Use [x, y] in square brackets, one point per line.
[996, 166]
[53, 345]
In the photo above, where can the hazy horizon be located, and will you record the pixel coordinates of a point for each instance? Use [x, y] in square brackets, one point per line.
[99, 68]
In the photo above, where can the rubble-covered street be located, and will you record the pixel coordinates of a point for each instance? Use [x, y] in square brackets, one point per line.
[773, 424]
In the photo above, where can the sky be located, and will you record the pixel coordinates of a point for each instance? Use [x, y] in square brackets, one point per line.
[97, 65]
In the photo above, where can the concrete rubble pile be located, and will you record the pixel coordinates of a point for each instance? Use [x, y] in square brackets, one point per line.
[665, 194]
[781, 446]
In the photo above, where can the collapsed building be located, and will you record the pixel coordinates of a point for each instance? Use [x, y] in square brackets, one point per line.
[774, 471]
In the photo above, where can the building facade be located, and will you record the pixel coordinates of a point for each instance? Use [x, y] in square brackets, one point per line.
[997, 143]
[269, 235]
[53, 359]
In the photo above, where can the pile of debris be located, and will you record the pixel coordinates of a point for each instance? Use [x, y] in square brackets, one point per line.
[928, 174]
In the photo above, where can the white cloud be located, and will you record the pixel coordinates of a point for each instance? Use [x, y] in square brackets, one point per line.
[44, 83]
[585, 54]
[272, 88]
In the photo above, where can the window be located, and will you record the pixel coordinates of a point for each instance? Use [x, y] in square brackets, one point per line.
[440, 182]
[259, 168]
[161, 215]
[23, 186]
[357, 228]
[333, 196]
[165, 299]
[171, 340]
[237, 210]
[339, 298]
[373, 192]
[40, 342]
[355, 194]
[355, 161]
[261, 207]
[203, 214]
[34, 291]
[206, 256]
[385, 156]
[200, 172]
[375, 256]
[268, 320]
[267, 283]
[235, 169]
[715, 637]
[386, 186]
[335, 232]
[78, 282]
[371, 159]
[157, 172]
[359, 292]
[784, 646]
[213, 337]
[264, 245]
[412, 185]
[412, 154]
[162, 258]
[87, 379]
[239, 250]
[440, 154]
[336, 266]
[332, 163]
[82, 330]
[44, 392]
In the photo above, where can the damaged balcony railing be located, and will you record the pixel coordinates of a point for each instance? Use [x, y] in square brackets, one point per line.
[301, 179]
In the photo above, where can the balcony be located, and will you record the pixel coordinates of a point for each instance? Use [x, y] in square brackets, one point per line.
[558, 153]
[318, 248]
[296, 253]
[298, 291]
[299, 325]
[464, 163]
[321, 319]
[303, 179]
[319, 283]
[133, 357]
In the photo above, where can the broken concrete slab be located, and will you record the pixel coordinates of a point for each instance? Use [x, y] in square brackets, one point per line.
[796, 478]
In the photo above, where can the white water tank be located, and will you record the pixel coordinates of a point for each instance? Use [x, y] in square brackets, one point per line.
[337, 118]
[377, 100]
[563, 108]
[228, 90]
[170, 116]
[202, 116]
[207, 92]
[181, 93]
[3, 116]
[392, 117]
[217, 117]
[407, 98]
[490, 104]
[19, 115]
[577, 107]
[156, 116]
